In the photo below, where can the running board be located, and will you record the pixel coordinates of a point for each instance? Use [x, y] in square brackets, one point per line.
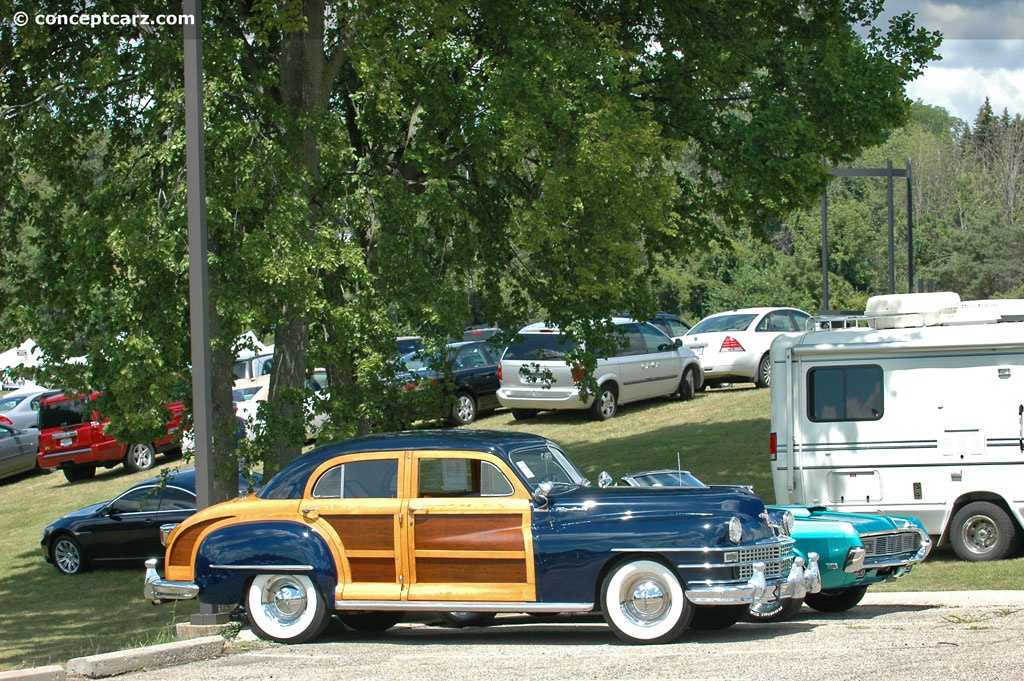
[463, 606]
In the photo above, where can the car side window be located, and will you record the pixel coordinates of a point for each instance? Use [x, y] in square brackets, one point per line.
[365, 479]
[655, 340]
[175, 499]
[461, 478]
[632, 337]
[137, 500]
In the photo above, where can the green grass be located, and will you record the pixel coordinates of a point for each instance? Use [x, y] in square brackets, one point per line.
[722, 437]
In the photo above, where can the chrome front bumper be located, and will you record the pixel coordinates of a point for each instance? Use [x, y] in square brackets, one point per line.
[801, 580]
[158, 590]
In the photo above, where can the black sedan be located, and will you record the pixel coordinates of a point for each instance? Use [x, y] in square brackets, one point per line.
[468, 387]
[126, 529]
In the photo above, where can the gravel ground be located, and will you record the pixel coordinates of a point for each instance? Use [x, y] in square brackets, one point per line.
[949, 636]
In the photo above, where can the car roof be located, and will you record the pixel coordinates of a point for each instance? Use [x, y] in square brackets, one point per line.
[548, 327]
[291, 481]
[753, 310]
[29, 390]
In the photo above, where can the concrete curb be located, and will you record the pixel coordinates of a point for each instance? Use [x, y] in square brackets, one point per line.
[150, 657]
[53, 672]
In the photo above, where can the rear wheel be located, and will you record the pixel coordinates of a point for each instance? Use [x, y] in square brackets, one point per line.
[286, 608]
[76, 473]
[982, 531]
[643, 602]
[139, 457]
[464, 410]
[523, 414]
[606, 403]
[67, 556]
[776, 611]
[836, 600]
[764, 372]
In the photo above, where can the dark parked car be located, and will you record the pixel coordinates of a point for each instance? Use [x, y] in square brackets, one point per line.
[126, 529]
[469, 388]
[476, 521]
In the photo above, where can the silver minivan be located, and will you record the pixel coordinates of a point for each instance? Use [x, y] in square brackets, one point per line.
[535, 375]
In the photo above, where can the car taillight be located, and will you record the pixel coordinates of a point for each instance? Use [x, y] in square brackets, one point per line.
[578, 373]
[773, 446]
[499, 372]
[5, 420]
[730, 344]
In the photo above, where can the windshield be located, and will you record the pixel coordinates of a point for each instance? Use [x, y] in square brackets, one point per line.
[546, 464]
[725, 322]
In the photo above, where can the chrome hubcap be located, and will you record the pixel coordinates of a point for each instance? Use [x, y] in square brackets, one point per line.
[645, 601]
[284, 600]
[980, 534]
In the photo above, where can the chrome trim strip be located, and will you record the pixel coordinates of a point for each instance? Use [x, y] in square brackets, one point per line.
[464, 606]
[288, 568]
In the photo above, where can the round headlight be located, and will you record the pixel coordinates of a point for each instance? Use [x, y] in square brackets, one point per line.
[788, 522]
[735, 530]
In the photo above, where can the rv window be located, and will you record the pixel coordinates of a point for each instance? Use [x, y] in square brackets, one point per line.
[845, 393]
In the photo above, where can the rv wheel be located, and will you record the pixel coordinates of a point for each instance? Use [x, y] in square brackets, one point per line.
[983, 531]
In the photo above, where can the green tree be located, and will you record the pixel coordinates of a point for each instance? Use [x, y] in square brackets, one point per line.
[368, 159]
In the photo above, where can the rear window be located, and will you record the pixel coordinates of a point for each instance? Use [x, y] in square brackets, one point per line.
[725, 322]
[62, 413]
[538, 346]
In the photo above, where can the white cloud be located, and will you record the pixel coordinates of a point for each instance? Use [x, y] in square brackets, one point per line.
[970, 71]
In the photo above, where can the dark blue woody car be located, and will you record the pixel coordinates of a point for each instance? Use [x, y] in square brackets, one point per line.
[476, 521]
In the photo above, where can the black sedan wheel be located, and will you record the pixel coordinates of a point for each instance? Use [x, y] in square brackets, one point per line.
[286, 608]
[464, 410]
[67, 556]
[836, 600]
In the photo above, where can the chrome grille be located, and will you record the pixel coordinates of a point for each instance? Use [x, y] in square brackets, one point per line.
[881, 545]
[778, 560]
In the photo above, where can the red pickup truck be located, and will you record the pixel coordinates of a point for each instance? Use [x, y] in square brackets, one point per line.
[72, 438]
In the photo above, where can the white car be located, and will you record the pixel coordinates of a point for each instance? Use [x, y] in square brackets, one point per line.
[249, 393]
[20, 409]
[534, 375]
[733, 346]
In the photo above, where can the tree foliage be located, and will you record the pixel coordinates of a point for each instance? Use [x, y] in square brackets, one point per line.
[370, 165]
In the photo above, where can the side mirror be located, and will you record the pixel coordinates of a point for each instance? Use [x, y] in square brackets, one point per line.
[678, 343]
[605, 480]
[540, 495]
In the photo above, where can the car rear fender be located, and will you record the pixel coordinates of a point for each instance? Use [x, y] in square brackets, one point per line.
[229, 557]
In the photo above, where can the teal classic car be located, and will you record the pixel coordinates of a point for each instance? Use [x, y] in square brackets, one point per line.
[855, 550]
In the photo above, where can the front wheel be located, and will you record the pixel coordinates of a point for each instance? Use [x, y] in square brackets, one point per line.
[836, 600]
[982, 531]
[775, 611]
[66, 554]
[286, 608]
[715, 617]
[643, 602]
[139, 457]
[687, 386]
[606, 403]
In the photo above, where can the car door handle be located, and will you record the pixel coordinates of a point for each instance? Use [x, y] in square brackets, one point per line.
[310, 513]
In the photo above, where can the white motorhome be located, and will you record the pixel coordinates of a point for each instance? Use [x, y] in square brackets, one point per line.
[913, 409]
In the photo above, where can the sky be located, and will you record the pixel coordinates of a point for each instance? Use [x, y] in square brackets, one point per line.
[982, 54]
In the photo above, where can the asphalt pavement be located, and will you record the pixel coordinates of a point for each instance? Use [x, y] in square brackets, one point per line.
[934, 635]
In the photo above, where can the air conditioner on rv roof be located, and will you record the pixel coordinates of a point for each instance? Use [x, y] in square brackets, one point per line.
[907, 310]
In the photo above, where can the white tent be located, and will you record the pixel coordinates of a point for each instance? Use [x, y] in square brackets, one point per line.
[25, 355]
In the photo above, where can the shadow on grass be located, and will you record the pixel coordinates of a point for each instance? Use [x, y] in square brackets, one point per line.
[50, 617]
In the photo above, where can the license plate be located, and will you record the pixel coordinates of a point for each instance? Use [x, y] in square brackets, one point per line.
[698, 351]
[65, 442]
